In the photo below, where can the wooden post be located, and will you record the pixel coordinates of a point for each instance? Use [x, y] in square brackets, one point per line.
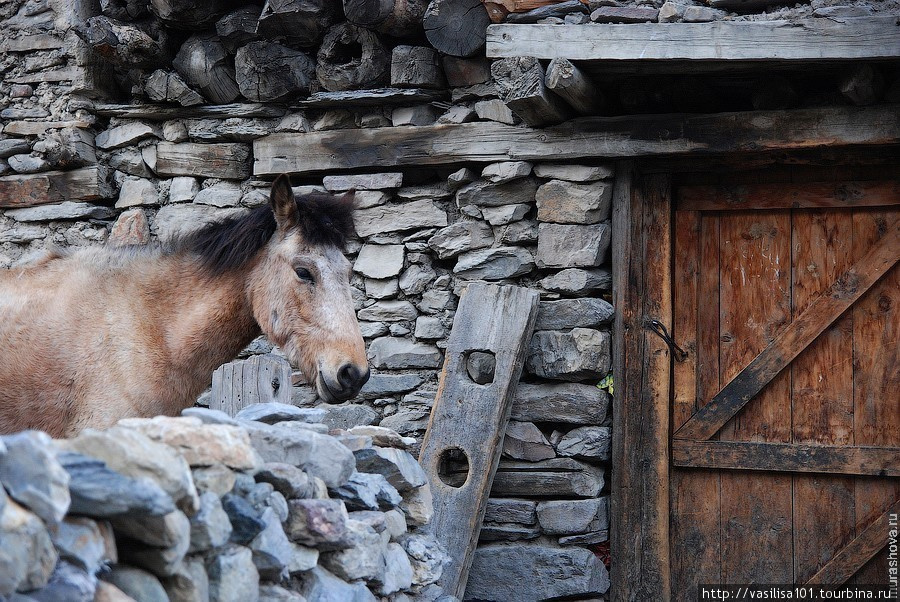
[520, 83]
[573, 85]
[468, 419]
[259, 379]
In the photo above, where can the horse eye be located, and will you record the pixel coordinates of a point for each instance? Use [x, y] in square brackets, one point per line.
[305, 275]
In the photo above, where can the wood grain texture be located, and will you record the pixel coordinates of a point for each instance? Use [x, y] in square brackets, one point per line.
[775, 41]
[789, 196]
[221, 160]
[472, 417]
[29, 190]
[259, 379]
[620, 137]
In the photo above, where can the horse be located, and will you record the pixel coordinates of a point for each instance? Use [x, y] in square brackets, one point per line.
[90, 336]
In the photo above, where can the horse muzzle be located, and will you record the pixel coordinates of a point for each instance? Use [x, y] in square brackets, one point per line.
[344, 385]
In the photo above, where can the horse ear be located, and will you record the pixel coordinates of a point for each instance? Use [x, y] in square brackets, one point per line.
[284, 206]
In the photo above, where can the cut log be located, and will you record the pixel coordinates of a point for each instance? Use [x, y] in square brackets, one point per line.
[268, 71]
[466, 72]
[189, 14]
[126, 44]
[259, 379]
[863, 86]
[416, 67]
[398, 18]
[572, 84]
[520, 83]
[351, 58]
[456, 27]
[167, 86]
[238, 27]
[551, 10]
[124, 10]
[297, 22]
[203, 63]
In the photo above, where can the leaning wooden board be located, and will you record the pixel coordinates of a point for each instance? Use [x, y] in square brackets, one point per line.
[472, 418]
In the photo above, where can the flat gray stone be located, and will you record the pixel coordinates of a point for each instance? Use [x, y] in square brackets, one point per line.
[322, 586]
[137, 583]
[578, 282]
[375, 181]
[288, 480]
[389, 311]
[32, 475]
[524, 441]
[570, 517]
[67, 210]
[399, 217]
[273, 412]
[511, 510]
[363, 559]
[564, 202]
[396, 465]
[27, 555]
[495, 263]
[21, 233]
[126, 135]
[176, 220]
[573, 313]
[345, 416]
[210, 527]
[398, 353]
[416, 279]
[487, 194]
[67, 582]
[233, 576]
[573, 173]
[183, 188]
[505, 214]
[429, 328]
[271, 549]
[579, 354]
[460, 237]
[189, 583]
[221, 194]
[498, 173]
[80, 541]
[516, 572]
[398, 573]
[169, 530]
[137, 191]
[426, 556]
[379, 261]
[13, 146]
[570, 403]
[566, 246]
[27, 163]
[587, 443]
[365, 491]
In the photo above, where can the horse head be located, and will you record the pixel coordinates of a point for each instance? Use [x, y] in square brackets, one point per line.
[299, 291]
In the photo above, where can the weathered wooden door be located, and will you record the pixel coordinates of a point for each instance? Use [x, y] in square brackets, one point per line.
[785, 405]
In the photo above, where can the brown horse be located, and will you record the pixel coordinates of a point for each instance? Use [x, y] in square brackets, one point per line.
[98, 334]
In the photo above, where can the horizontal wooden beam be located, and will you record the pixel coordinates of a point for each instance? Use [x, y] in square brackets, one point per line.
[869, 38]
[788, 196]
[786, 457]
[596, 137]
[30, 190]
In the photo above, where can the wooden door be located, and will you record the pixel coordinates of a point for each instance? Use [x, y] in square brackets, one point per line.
[785, 405]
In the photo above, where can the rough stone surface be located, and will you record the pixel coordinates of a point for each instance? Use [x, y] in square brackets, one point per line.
[397, 218]
[566, 246]
[389, 311]
[377, 181]
[210, 527]
[80, 541]
[363, 559]
[126, 135]
[460, 237]
[322, 586]
[426, 556]
[131, 228]
[398, 572]
[319, 455]
[579, 354]
[183, 188]
[396, 465]
[137, 583]
[233, 576]
[189, 583]
[505, 214]
[367, 492]
[564, 202]
[495, 263]
[221, 194]
[347, 415]
[32, 475]
[573, 313]
[567, 517]
[379, 261]
[586, 442]
[67, 210]
[27, 555]
[318, 523]
[505, 171]
[397, 353]
[136, 191]
[573, 173]
[271, 549]
[570, 403]
[524, 441]
[487, 194]
[273, 412]
[510, 510]
[245, 521]
[418, 505]
[578, 282]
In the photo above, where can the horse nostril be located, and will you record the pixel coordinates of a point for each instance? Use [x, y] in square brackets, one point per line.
[348, 376]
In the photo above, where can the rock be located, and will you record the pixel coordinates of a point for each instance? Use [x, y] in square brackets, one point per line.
[177, 220]
[460, 237]
[522, 571]
[67, 210]
[586, 442]
[27, 555]
[381, 385]
[396, 465]
[13, 146]
[578, 282]
[491, 532]
[480, 366]
[245, 521]
[273, 412]
[375, 181]
[67, 582]
[208, 416]
[389, 311]
[429, 328]
[418, 506]
[570, 403]
[221, 194]
[416, 279]
[276, 593]
[348, 415]
[367, 492]
[183, 188]
[126, 135]
[198, 443]
[458, 114]
[107, 592]
[624, 14]
[406, 421]
[394, 524]
[80, 541]
[509, 510]
[233, 576]
[579, 354]
[27, 164]
[487, 194]
[271, 549]
[573, 173]
[498, 173]
[704, 14]
[174, 131]
[567, 517]
[363, 559]
[138, 584]
[321, 586]
[494, 264]
[19, 234]
[460, 178]
[319, 455]
[169, 530]
[97, 491]
[573, 313]
[398, 572]
[379, 261]
[318, 523]
[524, 441]
[382, 289]
[288, 480]
[210, 527]
[162, 562]
[381, 436]
[505, 214]
[32, 475]
[131, 228]
[427, 558]
[435, 301]
[670, 12]
[217, 479]
[557, 477]
[494, 110]
[372, 329]
[137, 191]
[416, 115]
[189, 583]
[565, 246]
[563, 202]
[397, 353]
[399, 217]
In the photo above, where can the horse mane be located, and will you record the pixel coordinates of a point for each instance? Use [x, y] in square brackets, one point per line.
[221, 246]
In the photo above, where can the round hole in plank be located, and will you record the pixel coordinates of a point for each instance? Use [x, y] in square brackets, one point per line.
[480, 366]
[453, 467]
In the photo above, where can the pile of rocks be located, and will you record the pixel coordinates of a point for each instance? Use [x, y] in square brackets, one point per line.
[271, 507]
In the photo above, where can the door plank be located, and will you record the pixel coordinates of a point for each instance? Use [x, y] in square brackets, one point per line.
[876, 330]
[499, 320]
[797, 336]
[790, 457]
[730, 197]
[858, 552]
[756, 517]
[822, 388]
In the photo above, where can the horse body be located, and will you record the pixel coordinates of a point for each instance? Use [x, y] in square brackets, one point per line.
[93, 336]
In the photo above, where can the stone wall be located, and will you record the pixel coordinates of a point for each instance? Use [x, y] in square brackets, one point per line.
[266, 507]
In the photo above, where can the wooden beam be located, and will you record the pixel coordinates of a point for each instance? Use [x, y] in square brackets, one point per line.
[785, 457]
[858, 552]
[791, 341]
[789, 196]
[30, 190]
[641, 288]
[868, 38]
[597, 137]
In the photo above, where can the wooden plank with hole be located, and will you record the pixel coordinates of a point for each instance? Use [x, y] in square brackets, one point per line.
[468, 419]
[793, 339]
[259, 379]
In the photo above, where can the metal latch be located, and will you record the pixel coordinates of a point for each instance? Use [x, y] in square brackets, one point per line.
[660, 330]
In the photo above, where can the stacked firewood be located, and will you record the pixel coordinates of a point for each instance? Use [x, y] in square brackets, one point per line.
[223, 51]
